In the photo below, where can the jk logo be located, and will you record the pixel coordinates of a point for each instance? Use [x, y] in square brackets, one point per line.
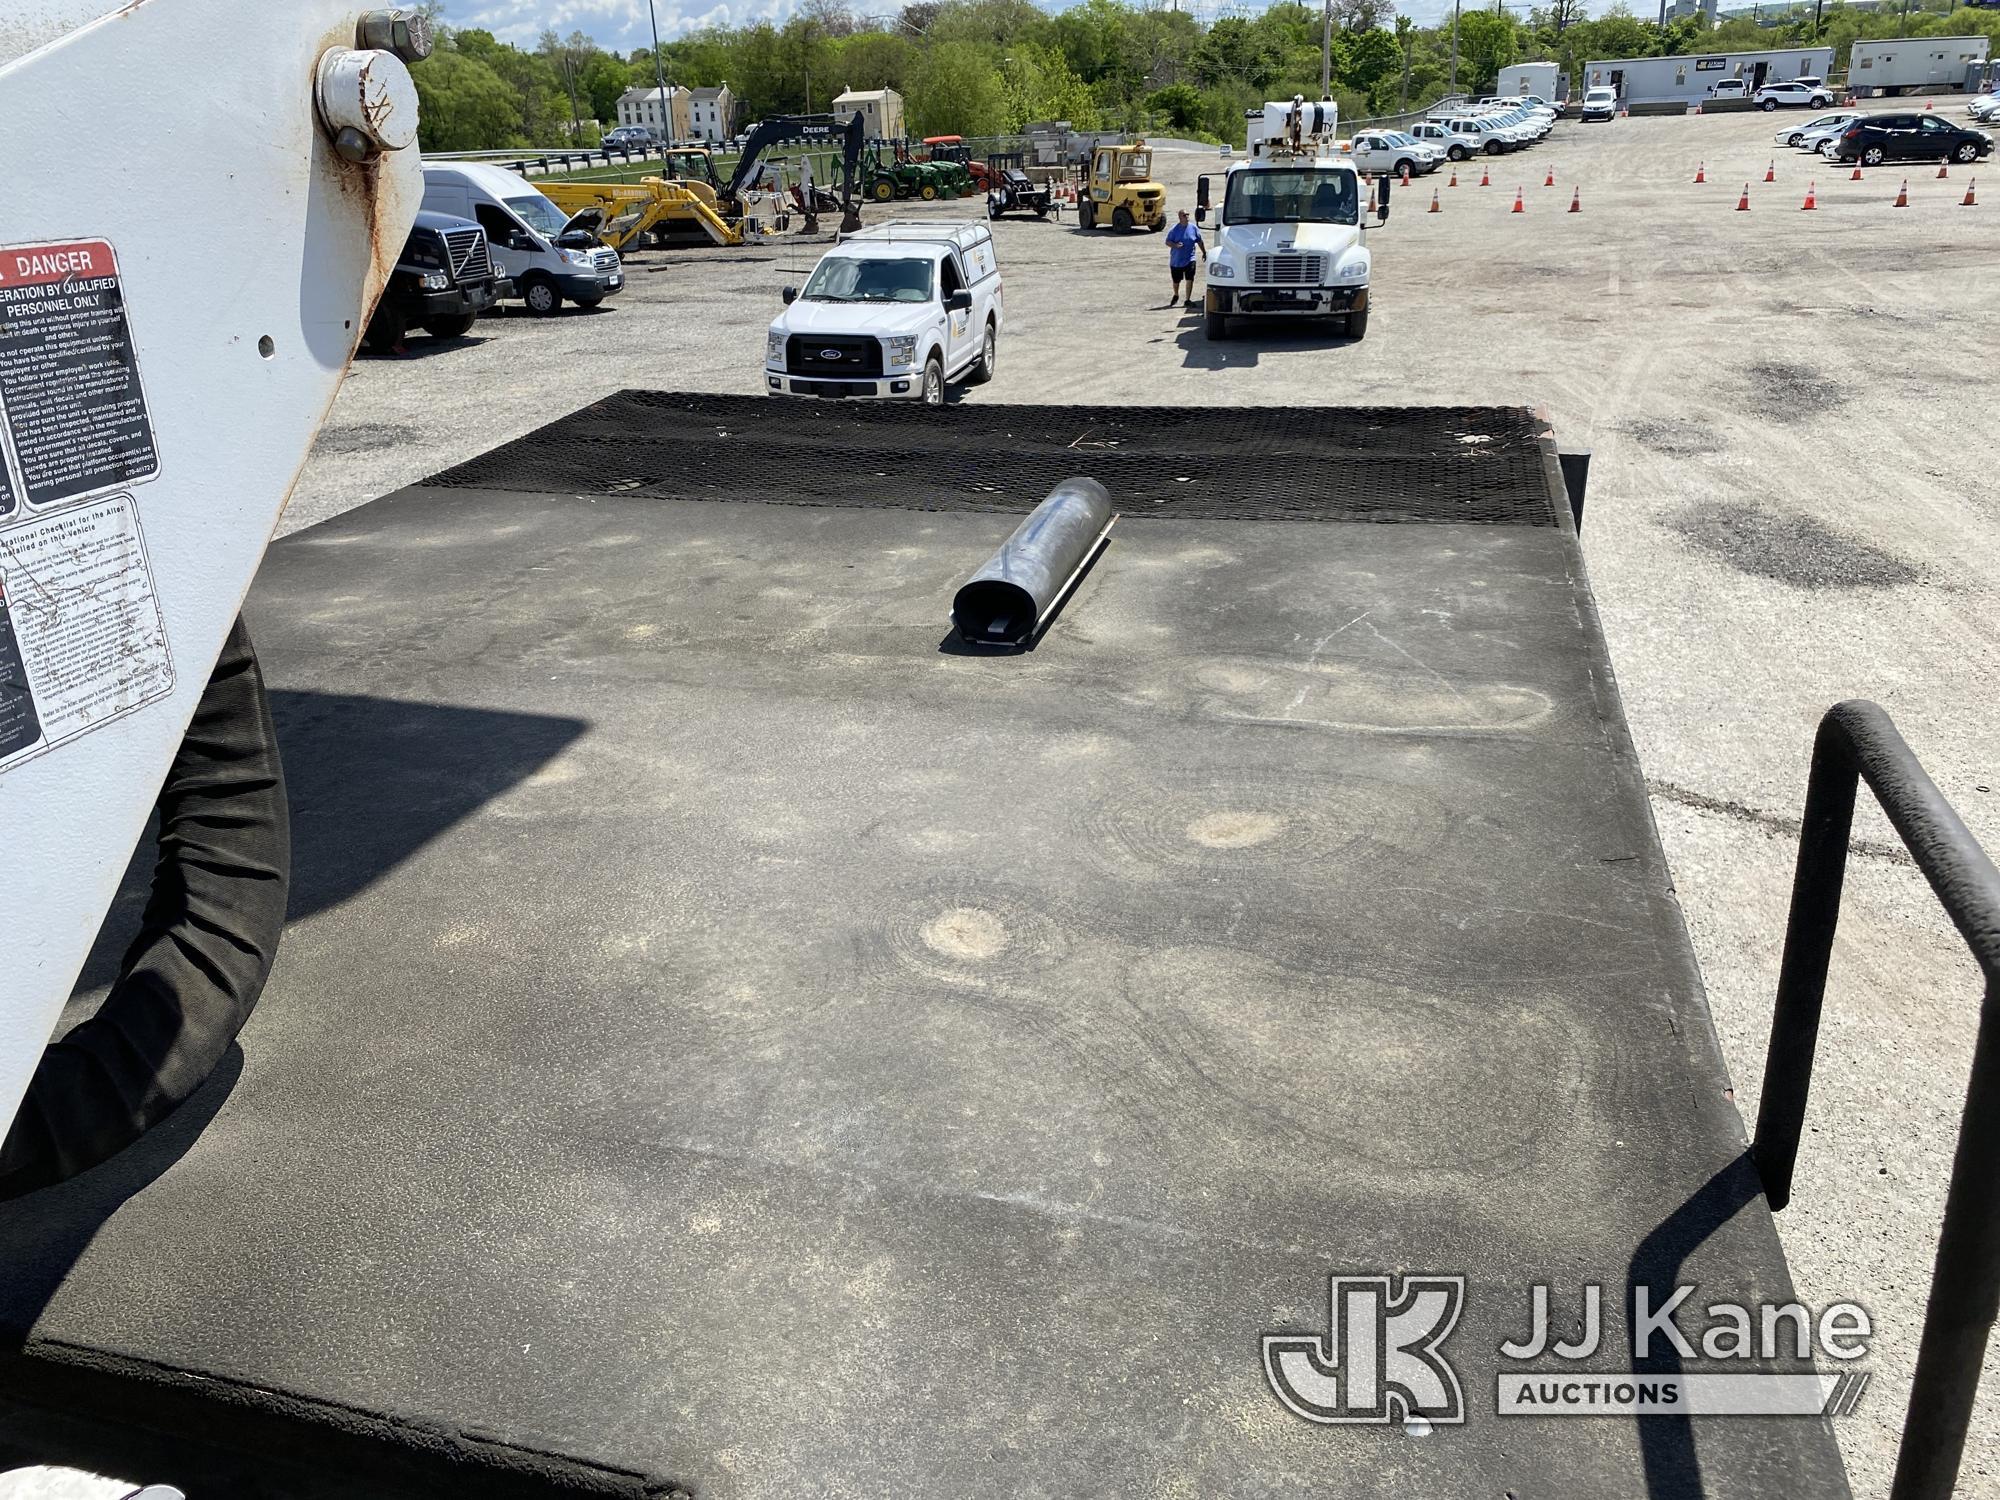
[1379, 1361]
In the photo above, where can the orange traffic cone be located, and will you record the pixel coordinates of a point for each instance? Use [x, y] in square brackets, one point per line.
[1701, 172]
[1406, 177]
[1967, 202]
[1550, 180]
[1454, 178]
[1809, 204]
[1857, 173]
[1576, 200]
[1435, 207]
[1519, 207]
[1942, 174]
[1903, 194]
[1771, 172]
[1484, 179]
[1927, 104]
[1743, 203]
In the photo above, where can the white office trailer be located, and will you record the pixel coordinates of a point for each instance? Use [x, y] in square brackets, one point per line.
[1692, 78]
[1898, 64]
[1541, 79]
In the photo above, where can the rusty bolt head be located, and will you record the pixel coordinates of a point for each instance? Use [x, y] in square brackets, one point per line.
[351, 145]
[407, 33]
[371, 94]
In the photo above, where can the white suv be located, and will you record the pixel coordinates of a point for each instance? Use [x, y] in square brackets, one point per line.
[1801, 93]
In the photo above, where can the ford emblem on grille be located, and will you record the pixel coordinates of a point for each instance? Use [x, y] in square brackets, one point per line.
[829, 354]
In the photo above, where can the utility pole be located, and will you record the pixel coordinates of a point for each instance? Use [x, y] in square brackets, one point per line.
[660, 80]
[1454, 46]
[1326, 52]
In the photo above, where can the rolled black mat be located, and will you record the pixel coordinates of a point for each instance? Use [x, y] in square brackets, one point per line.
[193, 974]
[1005, 602]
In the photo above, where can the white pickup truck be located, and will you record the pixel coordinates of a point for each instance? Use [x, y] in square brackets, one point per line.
[897, 310]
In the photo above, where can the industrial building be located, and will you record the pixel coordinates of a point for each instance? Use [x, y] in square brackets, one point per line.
[1692, 78]
[1894, 64]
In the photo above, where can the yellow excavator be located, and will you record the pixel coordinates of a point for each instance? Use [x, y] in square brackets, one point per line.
[686, 202]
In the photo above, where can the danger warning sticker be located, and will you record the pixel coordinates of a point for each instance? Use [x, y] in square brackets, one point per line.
[81, 639]
[72, 407]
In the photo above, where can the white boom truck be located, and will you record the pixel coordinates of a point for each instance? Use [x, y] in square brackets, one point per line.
[1287, 231]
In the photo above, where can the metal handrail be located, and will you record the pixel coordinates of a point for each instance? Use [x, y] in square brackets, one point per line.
[1858, 741]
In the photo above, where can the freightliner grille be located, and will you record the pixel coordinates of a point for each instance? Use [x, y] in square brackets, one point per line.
[1287, 270]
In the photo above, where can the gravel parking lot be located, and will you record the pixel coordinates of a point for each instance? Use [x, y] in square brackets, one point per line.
[1792, 501]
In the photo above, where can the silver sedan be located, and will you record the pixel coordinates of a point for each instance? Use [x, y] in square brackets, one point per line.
[1808, 135]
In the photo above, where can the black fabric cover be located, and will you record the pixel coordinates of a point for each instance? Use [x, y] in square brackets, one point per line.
[192, 976]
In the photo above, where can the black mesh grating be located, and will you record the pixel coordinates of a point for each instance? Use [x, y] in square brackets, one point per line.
[1482, 465]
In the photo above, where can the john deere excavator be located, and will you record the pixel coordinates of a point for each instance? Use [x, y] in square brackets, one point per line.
[809, 130]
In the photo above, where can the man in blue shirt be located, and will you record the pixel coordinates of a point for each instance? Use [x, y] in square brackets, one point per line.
[1183, 240]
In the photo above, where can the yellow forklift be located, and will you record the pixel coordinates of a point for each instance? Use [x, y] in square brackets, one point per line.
[1119, 189]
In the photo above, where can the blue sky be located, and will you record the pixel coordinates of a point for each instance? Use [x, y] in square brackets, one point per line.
[623, 24]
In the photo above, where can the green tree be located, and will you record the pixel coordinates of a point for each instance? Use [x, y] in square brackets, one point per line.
[1180, 103]
[605, 77]
[956, 90]
[1487, 42]
[463, 105]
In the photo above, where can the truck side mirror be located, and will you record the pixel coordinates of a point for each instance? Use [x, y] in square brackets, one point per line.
[1201, 213]
[958, 301]
[790, 294]
[1382, 199]
[1201, 191]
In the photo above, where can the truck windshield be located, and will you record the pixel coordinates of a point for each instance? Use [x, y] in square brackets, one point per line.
[538, 213]
[847, 278]
[1291, 195]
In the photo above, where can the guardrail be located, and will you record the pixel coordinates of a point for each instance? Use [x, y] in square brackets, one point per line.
[567, 159]
[1857, 741]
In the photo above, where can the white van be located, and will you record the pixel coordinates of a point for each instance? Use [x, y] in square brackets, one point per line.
[550, 258]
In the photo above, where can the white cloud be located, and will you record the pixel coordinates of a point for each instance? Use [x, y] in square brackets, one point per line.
[625, 24]
[619, 24]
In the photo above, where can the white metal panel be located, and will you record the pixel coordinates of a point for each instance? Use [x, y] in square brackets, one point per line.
[249, 254]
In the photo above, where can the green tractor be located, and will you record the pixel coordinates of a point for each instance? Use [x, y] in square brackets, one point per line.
[888, 175]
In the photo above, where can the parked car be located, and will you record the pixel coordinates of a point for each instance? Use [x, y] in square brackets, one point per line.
[1874, 139]
[1797, 94]
[1378, 151]
[1808, 136]
[1426, 150]
[1731, 88]
[898, 310]
[1984, 107]
[1600, 104]
[443, 281]
[1456, 145]
[631, 138]
[1484, 135]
